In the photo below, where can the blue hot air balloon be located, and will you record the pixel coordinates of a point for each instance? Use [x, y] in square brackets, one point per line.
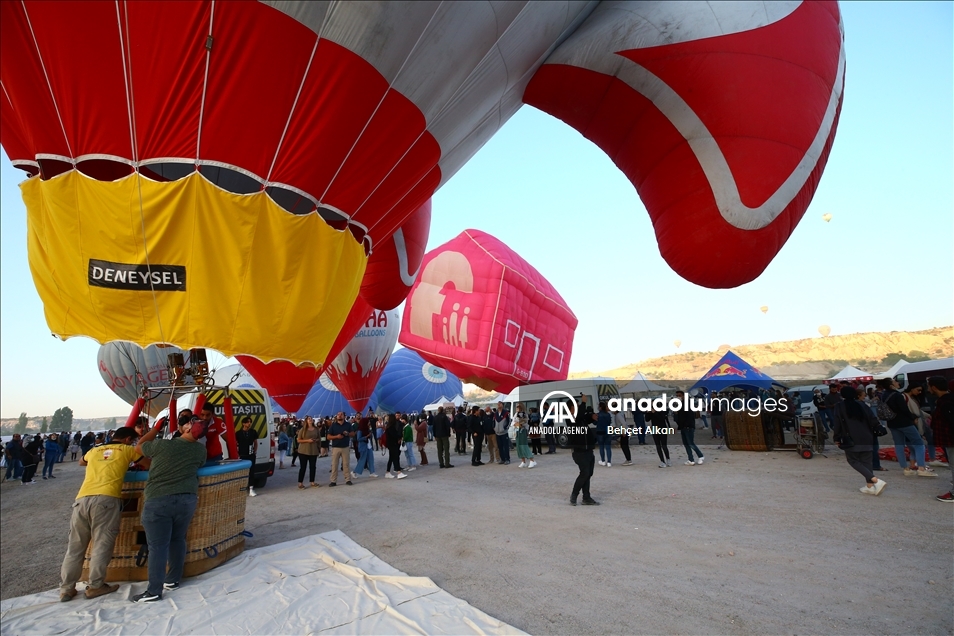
[409, 383]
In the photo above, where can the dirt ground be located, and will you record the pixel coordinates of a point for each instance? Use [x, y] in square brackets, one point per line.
[748, 543]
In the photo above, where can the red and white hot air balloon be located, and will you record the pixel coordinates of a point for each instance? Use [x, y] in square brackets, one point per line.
[486, 315]
[145, 133]
[358, 367]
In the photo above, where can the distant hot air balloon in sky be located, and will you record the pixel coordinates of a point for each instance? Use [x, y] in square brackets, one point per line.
[764, 309]
[358, 367]
[174, 200]
[409, 383]
[678, 343]
[826, 216]
[126, 368]
[824, 330]
[482, 312]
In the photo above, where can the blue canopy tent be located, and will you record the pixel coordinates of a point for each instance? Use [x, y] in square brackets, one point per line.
[732, 371]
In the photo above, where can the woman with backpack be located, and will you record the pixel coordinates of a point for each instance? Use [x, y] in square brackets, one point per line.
[901, 424]
[854, 432]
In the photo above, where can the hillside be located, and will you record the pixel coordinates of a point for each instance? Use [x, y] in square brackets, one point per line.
[811, 358]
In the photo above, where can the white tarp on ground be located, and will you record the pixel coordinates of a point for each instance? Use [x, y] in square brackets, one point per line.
[324, 583]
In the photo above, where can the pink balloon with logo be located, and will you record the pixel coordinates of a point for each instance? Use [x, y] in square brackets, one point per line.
[486, 315]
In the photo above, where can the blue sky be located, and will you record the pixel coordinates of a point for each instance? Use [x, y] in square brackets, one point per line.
[885, 261]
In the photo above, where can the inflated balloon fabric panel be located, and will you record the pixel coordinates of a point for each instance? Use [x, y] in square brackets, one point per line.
[394, 264]
[482, 312]
[358, 367]
[409, 383]
[357, 316]
[233, 273]
[285, 382]
[325, 400]
[722, 117]
[126, 368]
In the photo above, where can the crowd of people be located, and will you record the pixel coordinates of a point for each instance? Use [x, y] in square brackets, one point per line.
[859, 415]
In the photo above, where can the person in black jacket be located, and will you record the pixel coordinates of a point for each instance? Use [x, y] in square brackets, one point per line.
[31, 458]
[460, 431]
[442, 432]
[686, 422]
[903, 430]
[853, 431]
[475, 428]
[583, 440]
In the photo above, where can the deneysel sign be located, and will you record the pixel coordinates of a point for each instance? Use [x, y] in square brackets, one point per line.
[137, 277]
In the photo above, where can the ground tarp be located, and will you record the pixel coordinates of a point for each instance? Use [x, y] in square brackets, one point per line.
[325, 583]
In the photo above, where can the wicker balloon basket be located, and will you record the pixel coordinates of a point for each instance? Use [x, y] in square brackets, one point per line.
[216, 534]
[748, 432]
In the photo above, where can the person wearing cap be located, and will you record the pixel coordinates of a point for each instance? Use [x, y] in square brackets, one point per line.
[96, 514]
[170, 499]
[247, 441]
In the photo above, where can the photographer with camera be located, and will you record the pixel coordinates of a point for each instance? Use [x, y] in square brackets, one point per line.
[583, 442]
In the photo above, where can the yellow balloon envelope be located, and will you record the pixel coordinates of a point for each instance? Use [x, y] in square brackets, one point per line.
[191, 265]
[824, 330]
[764, 309]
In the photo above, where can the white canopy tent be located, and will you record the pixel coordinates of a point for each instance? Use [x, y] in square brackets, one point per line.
[641, 384]
[457, 400]
[851, 373]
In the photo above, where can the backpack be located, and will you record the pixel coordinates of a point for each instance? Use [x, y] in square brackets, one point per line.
[884, 411]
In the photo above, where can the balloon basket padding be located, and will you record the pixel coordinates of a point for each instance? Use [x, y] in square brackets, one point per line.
[215, 535]
[747, 433]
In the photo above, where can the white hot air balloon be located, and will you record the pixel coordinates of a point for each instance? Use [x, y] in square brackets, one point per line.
[826, 217]
[764, 309]
[126, 368]
[824, 330]
[358, 367]
[678, 343]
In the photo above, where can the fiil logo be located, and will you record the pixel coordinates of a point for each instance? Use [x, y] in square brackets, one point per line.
[557, 412]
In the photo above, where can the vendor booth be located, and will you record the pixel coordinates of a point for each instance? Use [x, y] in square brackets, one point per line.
[743, 431]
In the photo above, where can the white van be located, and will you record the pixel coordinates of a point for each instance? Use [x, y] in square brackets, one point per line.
[256, 404]
[918, 372]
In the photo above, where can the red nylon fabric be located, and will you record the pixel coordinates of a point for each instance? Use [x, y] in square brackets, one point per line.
[286, 384]
[745, 99]
[350, 142]
[382, 286]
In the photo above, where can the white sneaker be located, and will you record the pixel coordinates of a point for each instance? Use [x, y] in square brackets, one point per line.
[601, 463]
[531, 464]
[627, 463]
[939, 464]
[353, 475]
[690, 463]
[389, 475]
[522, 465]
[662, 464]
[608, 465]
[668, 464]
[251, 492]
[410, 468]
[373, 475]
[700, 460]
[401, 475]
[868, 490]
[926, 472]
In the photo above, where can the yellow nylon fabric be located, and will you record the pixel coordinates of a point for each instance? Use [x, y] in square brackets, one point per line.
[259, 281]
